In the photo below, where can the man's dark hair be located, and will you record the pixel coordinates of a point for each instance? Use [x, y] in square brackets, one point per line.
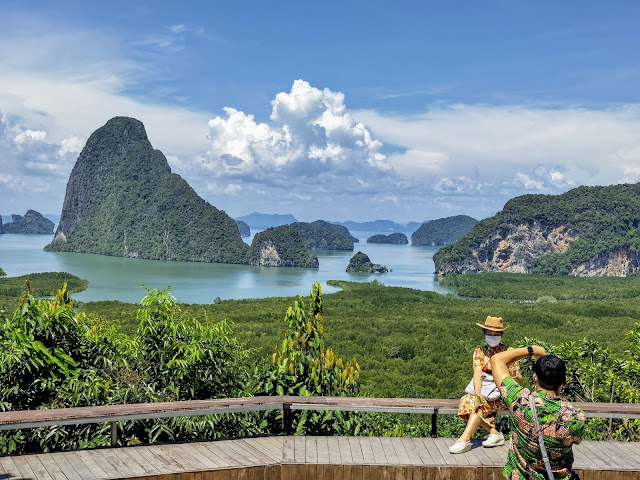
[551, 372]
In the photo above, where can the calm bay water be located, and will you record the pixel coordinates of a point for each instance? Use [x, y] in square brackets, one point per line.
[113, 278]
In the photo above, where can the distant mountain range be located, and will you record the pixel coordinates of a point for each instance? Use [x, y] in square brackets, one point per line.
[263, 220]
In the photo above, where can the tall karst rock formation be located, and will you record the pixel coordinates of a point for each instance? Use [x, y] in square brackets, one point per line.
[123, 200]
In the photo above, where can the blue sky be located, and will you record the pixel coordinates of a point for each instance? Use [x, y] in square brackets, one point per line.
[334, 110]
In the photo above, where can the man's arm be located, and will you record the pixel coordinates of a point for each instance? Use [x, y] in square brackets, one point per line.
[500, 361]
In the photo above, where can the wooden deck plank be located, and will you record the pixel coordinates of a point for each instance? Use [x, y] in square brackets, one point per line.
[614, 453]
[401, 452]
[335, 457]
[311, 450]
[391, 458]
[37, 467]
[288, 449]
[595, 459]
[52, 467]
[299, 447]
[433, 450]
[135, 454]
[632, 450]
[409, 445]
[89, 460]
[367, 451]
[10, 468]
[79, 466]
[483, 457]
[163, 462]
[380, 458]
[23, 466]
[261, 454]
[267, 446]
[423, 452]
[65, 466]
[111, 459]
[181, 455]
[345, 450]
[224, 453]
[356, 450]
[211, 457]
[323, 450]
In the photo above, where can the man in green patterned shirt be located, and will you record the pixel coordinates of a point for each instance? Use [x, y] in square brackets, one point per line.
[561, 423]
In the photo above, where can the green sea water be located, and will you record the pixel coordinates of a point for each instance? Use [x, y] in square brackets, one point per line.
[114, 278]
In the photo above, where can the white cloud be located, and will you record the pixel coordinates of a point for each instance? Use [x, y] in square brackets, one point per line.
[312, 138]
[30, 136]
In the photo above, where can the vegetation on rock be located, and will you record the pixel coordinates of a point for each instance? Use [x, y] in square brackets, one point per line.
[245, 231]
[341, 229]
[393, 239]
[360, 262]
[31, 223]
[135, 207]
[594, 223]
[41, 284]
[320, 238]
[442, 231]
[280, 247]
[2, 272]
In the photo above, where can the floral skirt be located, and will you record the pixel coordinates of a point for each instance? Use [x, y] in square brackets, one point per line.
[488, 409]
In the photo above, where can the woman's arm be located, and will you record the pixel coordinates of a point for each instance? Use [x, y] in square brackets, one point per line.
[477, 380]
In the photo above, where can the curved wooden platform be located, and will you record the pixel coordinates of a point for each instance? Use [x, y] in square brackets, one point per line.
[299, 457]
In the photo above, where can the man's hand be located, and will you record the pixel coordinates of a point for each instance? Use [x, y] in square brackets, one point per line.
[500, 361]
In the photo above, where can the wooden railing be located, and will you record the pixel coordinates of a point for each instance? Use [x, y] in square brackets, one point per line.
[138, 411]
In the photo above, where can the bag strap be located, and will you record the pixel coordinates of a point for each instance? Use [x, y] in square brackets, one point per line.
[538, 433]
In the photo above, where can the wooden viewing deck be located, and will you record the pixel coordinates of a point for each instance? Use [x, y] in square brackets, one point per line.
[294, 457]
[307, 458]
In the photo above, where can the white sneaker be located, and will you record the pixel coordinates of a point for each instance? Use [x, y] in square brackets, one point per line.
[460, 446]
[493, 440]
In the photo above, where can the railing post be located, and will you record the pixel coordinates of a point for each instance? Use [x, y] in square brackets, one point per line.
[114, 434]
[434, 423]
[287, 419]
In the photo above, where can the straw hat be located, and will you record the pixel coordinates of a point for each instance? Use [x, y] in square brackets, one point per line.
[493, 323]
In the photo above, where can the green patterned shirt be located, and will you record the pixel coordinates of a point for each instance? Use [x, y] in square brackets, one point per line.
[562, 425]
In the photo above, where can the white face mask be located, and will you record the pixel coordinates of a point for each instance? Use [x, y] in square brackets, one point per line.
[493, 341]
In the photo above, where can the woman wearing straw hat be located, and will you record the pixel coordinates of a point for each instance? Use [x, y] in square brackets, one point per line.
[477, 410]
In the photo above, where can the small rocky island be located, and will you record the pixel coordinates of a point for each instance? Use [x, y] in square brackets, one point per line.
[31, 223]
[360, 263]
[1, 229]
[392, 239]
[245, 231]
[280, 247]
[341, 229]
[321, 238]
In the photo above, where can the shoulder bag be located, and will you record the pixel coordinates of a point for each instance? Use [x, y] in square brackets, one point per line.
[489, 389]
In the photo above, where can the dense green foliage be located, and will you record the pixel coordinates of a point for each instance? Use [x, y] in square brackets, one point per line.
[289, 249]
[2, 272]
[244, 229]
[41, 284]
[320, 238]
[442, 231]
[542, 288]
[603, 218]
[32, 223]
[135, 207]
[392, 238]
[341, 229]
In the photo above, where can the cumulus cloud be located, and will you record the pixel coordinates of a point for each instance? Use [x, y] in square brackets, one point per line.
[311, 138]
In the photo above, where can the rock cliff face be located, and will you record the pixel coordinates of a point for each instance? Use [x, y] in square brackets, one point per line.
[123, 200]
[280, 247]
[1, 229]
[32, 223]
[392, 238]
[512, 249]
[587, 231]
[245, 231]
[360, 262]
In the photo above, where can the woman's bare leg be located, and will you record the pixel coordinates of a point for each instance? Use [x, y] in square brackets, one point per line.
[473, 423]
